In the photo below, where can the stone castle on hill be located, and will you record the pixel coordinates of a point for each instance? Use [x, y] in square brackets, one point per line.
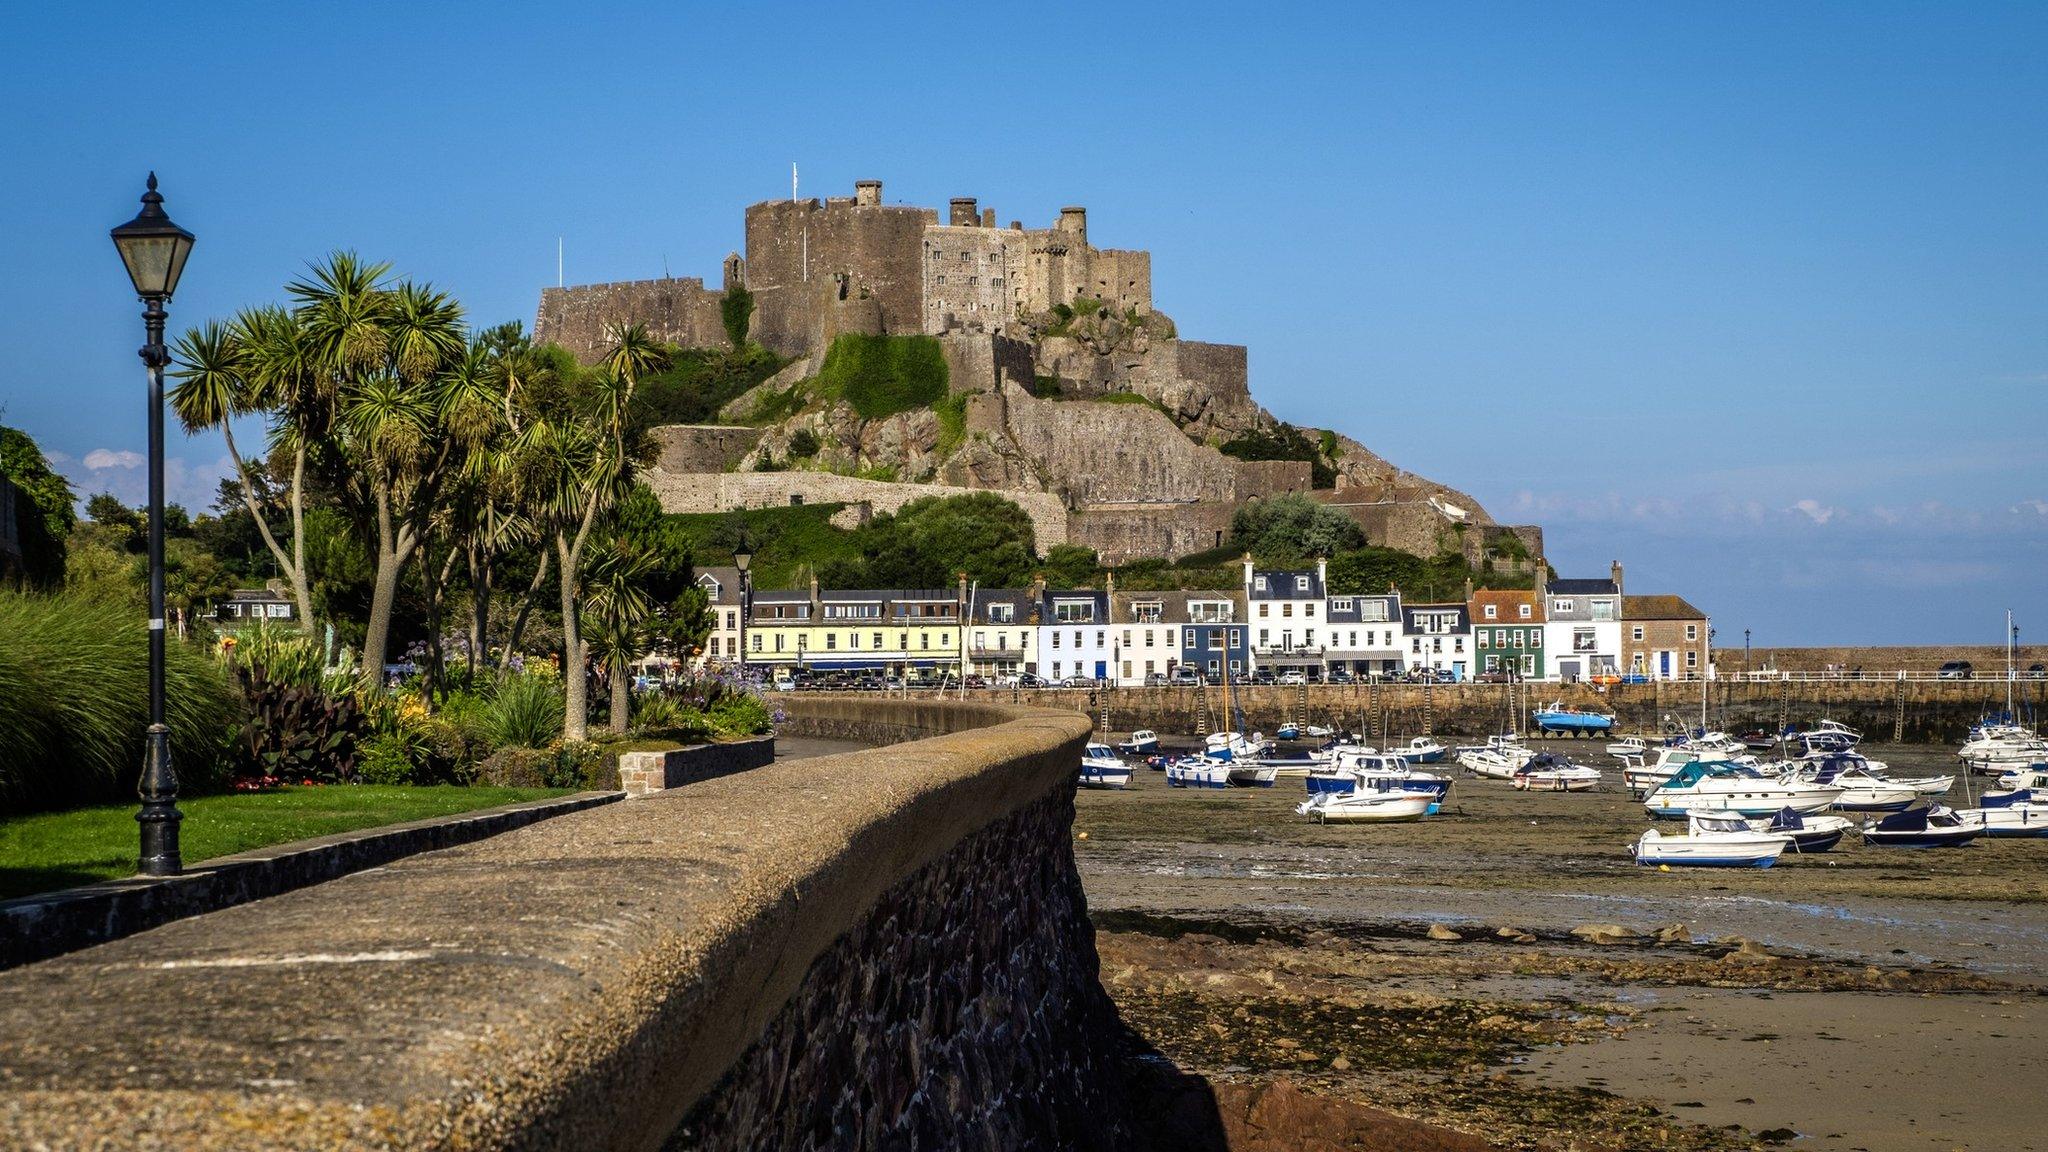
[1034, 324]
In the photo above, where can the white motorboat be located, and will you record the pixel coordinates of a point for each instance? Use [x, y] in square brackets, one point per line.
[1723, 786]
[1861, 791]
[1491, 764]
[1143, 742]
[2010, 814]
[1364, 806]
[1366, 771]
[1808, 834]
[1199, 772]
[1552, 773]
[2034, 777]
[1423, 750]
[1101, 767]
[1711, 842]
[1641, 776]
[1628, 746]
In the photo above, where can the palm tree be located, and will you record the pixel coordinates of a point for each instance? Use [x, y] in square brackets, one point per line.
[619, 606]
[255, 365]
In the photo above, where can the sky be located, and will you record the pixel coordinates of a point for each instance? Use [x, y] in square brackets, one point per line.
[1749, 296]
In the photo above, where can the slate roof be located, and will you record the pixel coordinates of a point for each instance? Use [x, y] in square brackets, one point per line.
[1659, 608]
[1410, 611]
[1173, 605]
[1601, 587]
[1352, 615]
[1280, 585]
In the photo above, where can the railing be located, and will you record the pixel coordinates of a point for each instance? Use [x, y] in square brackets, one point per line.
[1865, 675]
[1288, 649]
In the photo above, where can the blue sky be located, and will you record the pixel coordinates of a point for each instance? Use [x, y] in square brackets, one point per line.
[1749, 296]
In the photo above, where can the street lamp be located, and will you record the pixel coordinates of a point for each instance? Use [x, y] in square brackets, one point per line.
[1745, 653]
[743, 559]
[154, 251]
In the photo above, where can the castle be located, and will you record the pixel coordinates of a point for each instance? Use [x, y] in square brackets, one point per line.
[854, 264]
[1030, 320]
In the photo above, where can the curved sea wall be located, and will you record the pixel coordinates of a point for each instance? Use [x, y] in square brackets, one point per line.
[882, 948]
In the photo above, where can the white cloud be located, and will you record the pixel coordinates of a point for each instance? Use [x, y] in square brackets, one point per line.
[1813, 510]
[100, 458]
[2037, 507]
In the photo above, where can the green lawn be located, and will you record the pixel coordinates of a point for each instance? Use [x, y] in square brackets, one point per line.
[62, 849]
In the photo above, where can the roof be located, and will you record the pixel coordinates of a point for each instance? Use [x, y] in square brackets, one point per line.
[1280, 584]
[727, 578]
[1583, 588]
[1018, 599]
[1659, 608]
[1338, 614]
[1508, 602]
[1409, 612]
[266, 595]
[1173, 603]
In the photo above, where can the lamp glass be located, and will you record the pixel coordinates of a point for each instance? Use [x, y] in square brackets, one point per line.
[153, 248]
[741, 559]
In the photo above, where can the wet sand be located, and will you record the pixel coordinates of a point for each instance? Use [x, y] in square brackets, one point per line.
[1886, 998]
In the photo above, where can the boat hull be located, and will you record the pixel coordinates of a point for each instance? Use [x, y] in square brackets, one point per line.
[1715, 852]
[1105, 777]
[1367, 808]
[1931, 838]
[1574, 723]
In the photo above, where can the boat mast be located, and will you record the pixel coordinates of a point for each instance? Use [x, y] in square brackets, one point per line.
[2012, 717]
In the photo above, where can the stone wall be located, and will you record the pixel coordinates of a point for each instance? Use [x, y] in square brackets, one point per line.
[701, 492]
[680, 311]
[703, 447]
[893, 953]
[1120, 533]
[644, 773]
[1988, 659]
[804, 258]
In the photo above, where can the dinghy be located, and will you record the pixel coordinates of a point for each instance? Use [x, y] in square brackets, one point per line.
[1103, 768]
[1936, 827]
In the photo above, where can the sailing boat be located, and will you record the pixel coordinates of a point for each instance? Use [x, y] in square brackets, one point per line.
[1994, 749]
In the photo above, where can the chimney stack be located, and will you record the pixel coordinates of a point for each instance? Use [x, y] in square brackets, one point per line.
[1323, 573]
[867, 193]
[963, 213]
[1615, 571]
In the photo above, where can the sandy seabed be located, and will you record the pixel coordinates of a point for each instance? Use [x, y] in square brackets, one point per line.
[1864, 998]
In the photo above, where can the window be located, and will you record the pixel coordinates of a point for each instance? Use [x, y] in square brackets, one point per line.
[967, 257]
[926, 637]
[1074, 611]
[1148, 638]
[1188, 640]
[1308, 609]
[981, 640]
[1492, 662]
[1692, 658]
[1265, 609]
[1583, 640]
[1259, 582]
[941, 281]
[1636, 633]
[1490, 613]
[1055, 639]
[1002, 613]
[1148, 612]
[1099, 641]
[1518, 639]
[1341, 604]
[831, 641]
[1127, 637]
[1301, 583]
[1692, 631]
[1374, 611]
[1482, 639]
[1604, 610]
[284, 611]
[1077, 637]
[1415, 644]
[1528, 665]
[1216, 638]
[1562, 606]
[1522, 610]
[1287, 609]
[1457, 643]
[778, 641]
[853, 639]
[1265, 638]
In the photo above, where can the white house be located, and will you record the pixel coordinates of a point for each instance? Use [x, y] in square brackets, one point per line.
[1289, 618]
[1074, 635]
[1582, 630]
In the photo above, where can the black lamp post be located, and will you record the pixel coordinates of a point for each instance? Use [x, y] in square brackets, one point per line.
[154, 251]
[744, 559]
[1745, 653]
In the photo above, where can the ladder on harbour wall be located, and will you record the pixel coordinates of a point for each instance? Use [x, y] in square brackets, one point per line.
[1301, 704]
[1202, 708]
[1899, 715]
[1371, 724]
[1784, 705]
[1428, 705]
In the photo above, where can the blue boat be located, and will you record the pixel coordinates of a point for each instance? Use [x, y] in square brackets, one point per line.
[1287, 732]
[1573, 721]
[1143, 742]
[1381, 773]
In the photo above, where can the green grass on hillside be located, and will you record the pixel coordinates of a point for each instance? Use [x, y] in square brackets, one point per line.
[85, 845]
[788, 542]
[883, 375]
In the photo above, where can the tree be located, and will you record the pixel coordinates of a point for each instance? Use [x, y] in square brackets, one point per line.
[619, 605]
[928, 541]
[576, 460]
[43, 513]
[1291, 528]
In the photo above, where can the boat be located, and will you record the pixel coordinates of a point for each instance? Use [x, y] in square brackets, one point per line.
[1715, 744]
[1198, 772]
[1356, 771]
[1876, 770]
[1935, 827]
[1716, 786]
[1711, 842]
[1315, 732]
[1287, 732]
[2010, 814]
[1628, 746]
[1641, 774]
[1559, 717]
[2004, 751]
[1143, 742]
[1390, 807]
[1101, 767]
[1549, 772]
[1492, 764]
[1808, 834]
[2034, 777]
[1861, 791]
[1423, 750]
[1759, 740]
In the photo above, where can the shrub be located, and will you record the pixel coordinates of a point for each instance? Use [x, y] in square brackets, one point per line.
[1285, 442]
[803, 444]
[738, 714]
[882, 375]
[296, 731]
[387, 759]
[527, 712]
[736, 311]
[952, 413]
[661, 714]
[516, 768]
[74, 704]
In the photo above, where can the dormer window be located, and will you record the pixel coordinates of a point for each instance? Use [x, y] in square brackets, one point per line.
[1491, 612]
[1561, 606]
[1523, 611]
[1002, 613]
[1301, 583]
[1259, 582]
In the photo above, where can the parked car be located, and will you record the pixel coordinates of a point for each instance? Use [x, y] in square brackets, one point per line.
[1496, 676]
[1262, 676]
[784, 682]
[1079, 682]
[1185, 677]
[1156, 679]
[1291, 678]
[1956, 670]
[2036, 672]
[1029, 680]
[1341, 676]
[977, 681]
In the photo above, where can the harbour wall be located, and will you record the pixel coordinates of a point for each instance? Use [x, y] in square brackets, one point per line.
[886, 948]
[1922, 711]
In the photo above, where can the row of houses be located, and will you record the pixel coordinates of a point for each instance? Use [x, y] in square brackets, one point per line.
[1279, 620]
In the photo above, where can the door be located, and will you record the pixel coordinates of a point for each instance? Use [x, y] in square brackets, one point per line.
[1568, 671]
[1102, 670]
[1664, 665]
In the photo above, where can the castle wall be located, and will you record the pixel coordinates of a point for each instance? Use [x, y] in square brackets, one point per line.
[703, 447]
[983, 363]
[1123, 532]
[722, 492]
[803, 255]
[1116, 452]
[1259, 478]
[680, 311]
[971, 278]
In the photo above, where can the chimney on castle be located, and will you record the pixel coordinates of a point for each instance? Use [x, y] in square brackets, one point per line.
[867, 193]
[1615, 572]
[1536, 582]
[988, 217]
[963, 213]
[1468, 589]
[1037, 597]
[1109, 583]
[1074, 222]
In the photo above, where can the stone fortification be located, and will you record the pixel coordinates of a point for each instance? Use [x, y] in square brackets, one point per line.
[686, 448]
[702, 492]
[1025, 315]
[680, 311]
[904, 950]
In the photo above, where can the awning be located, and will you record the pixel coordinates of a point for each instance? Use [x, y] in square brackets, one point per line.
[848, 665]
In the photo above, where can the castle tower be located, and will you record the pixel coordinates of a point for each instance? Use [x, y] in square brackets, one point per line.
[1074, 222]
[962, 213]
[867, 193]
[735, 271]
